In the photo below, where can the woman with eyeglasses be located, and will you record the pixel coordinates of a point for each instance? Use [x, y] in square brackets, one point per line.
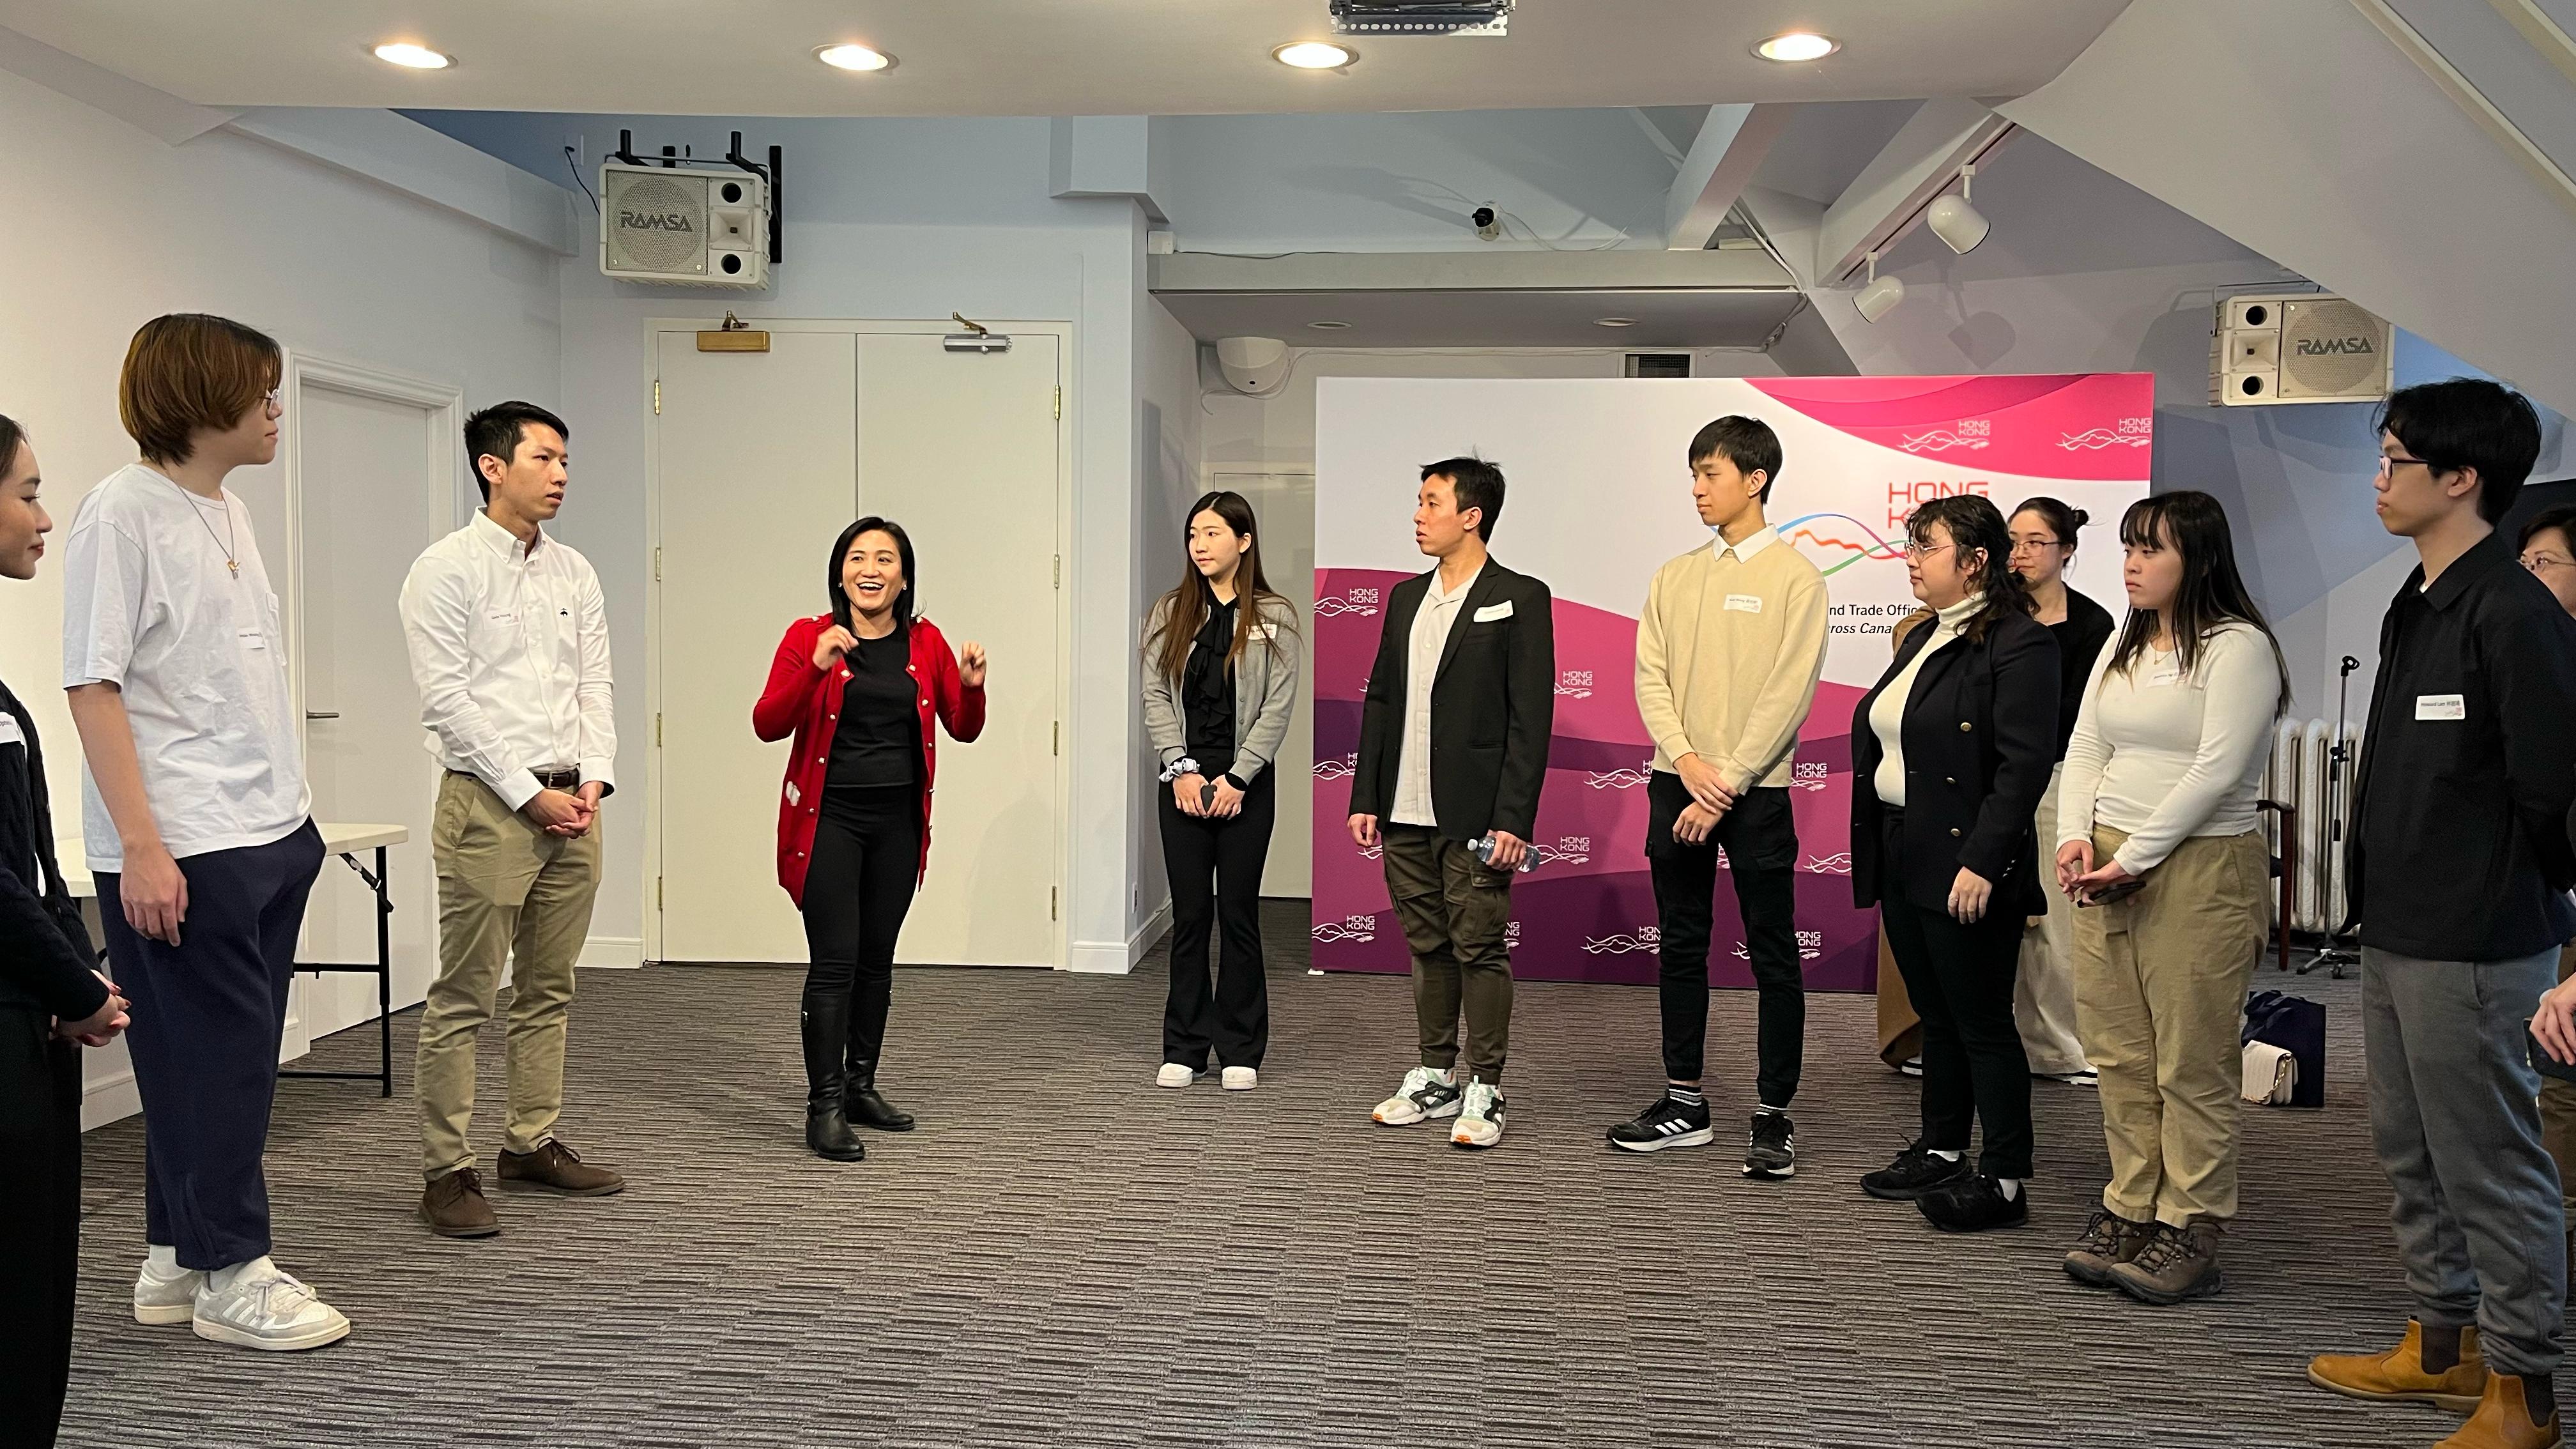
[1951, 751]
[2159, 848]
[2043, 532]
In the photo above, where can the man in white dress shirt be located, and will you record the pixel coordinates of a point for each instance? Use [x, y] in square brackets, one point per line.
[509, 645]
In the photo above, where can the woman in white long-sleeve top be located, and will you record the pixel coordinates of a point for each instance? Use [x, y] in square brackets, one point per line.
[2160, 849]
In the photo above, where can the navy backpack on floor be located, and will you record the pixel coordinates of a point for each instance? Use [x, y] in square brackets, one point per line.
[2298, 1026]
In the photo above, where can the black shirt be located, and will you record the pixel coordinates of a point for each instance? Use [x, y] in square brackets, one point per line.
[2080, 637]
[2468, 767]
[878, 740]
[45, 963]
[1207, 691]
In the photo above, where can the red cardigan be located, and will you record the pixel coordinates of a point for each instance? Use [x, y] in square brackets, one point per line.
[794, 701]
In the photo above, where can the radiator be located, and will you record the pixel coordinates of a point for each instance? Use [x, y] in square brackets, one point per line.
[2301, 775]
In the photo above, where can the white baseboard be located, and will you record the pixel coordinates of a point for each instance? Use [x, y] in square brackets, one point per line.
[109, 1097]
[1117, 958]
[617, 953]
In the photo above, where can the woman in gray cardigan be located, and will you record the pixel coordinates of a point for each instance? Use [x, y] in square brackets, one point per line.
[1220, 684]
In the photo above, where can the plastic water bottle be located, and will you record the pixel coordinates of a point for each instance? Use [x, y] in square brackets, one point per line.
[1484, 849]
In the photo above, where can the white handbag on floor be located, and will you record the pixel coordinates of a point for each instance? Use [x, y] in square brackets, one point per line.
[2271, 1074]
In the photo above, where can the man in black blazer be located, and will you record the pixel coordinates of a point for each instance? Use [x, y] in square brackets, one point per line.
[1453, 749]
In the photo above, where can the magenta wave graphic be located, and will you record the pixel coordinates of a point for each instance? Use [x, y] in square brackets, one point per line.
[2014, 424]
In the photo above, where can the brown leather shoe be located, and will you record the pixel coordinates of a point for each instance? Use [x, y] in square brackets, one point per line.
[2398, 1375]
[557, 1168]
[453, 1207]
[2503, 1420]
[2109, 1240]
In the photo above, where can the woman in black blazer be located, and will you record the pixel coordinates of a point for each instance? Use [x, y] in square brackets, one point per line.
[1951, 752]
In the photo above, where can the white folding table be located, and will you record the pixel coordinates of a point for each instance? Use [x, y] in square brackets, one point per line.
[344, 841]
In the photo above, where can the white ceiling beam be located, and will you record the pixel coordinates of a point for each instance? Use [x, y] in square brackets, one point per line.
[1892, 190]
[155, 113]
[1731, 144]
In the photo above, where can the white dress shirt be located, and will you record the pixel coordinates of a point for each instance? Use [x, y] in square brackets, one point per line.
[1431, 625]
[1746, 547]
[509, 645]
[197, 651]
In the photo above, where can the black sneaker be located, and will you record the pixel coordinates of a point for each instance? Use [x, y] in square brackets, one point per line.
[1666, 1123]
[1974, 1203]
[1772, 1149]
[1914, 1172]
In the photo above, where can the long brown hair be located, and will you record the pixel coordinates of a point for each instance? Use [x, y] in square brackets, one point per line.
[2212, 594]
[1184, 611]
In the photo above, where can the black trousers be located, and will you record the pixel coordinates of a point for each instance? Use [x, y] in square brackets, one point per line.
[40, 1095]
[1760, 839]
[859, 885]
[1235, 1020]
[208, 1016]
[1960, 979]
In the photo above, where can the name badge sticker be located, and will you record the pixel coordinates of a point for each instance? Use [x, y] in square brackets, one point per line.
[2441, 706]
[252, 638]
[1491, 612]
[1744, 603]
[10, 734]
[1265, 631]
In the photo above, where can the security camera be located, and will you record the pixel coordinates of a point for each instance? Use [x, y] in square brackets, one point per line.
[1252, 365]
[1486, 225]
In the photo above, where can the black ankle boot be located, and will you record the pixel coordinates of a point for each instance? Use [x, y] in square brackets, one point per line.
[827, 1131]
[863, 1104]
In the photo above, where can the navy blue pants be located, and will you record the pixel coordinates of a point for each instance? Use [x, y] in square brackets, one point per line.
[209, 1014]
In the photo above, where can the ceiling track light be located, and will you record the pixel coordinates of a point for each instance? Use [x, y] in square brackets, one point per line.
[1959, 225]
[1880, 295]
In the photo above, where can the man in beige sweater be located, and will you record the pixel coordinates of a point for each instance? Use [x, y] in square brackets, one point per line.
[1729, 650]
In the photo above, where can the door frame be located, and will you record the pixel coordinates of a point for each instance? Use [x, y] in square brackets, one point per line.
[442, 461]
[1068, 380]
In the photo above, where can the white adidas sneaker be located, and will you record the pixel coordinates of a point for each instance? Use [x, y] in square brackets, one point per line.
[1241, 1079]
[1174, 1074]
[264, 1307]
[166, 1294]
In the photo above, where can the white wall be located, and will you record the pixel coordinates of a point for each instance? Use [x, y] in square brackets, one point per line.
[1167, 424]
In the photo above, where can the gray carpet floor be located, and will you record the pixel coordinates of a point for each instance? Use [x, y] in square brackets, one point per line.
[1066, 1255]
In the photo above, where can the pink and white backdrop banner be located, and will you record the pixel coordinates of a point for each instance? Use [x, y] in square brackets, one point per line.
[1599, 498]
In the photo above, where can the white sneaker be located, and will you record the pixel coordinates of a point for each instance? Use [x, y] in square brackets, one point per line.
[264, 1307]
[1241, 1079]
[1424, 1093]
[166, 1295]
[1174, 1074]
[1480, 1122]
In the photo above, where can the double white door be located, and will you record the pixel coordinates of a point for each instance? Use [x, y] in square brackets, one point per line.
[761, 460]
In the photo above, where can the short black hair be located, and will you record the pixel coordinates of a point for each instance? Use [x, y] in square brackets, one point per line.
[1748, 443]
[1474, 483]
[2468, 422]
[2562, 518]
[903, 599]
[496, 432]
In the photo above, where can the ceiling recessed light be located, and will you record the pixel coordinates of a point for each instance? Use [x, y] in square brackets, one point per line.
[1797, 45]
[1328, 326]
[1615, 322]
[1314, 55]
[413, 57]
[854, 57]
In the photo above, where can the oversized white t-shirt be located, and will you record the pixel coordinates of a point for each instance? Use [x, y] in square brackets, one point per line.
[199, 653]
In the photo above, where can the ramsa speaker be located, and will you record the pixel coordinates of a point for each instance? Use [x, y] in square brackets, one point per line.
[683, 227]
[2297, 347]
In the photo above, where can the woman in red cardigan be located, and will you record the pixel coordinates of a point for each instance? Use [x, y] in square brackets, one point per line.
[858, 688]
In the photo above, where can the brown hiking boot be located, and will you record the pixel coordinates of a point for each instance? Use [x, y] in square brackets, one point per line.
[2109, 1240]
[2398, 1375]
[2503, 1420]
[557, 1168]
[453, 1207]
[2176, 1265]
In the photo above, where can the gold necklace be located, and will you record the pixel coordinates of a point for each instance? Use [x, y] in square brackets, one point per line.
[226, 542]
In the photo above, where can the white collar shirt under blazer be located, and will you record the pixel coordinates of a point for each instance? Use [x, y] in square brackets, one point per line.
[1429, 639]
[509, 646]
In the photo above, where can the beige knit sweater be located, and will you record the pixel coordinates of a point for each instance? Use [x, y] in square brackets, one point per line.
[1728, 654]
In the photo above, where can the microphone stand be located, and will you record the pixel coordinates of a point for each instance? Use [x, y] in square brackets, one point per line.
[2334, 955]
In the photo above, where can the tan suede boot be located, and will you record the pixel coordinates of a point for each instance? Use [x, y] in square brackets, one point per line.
[2503, 1420]
[2398, 1375]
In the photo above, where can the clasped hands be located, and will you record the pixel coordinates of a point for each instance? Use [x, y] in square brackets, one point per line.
[567, 814]
[101, 1026]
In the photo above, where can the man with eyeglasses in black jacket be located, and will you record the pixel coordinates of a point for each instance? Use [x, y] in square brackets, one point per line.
[2459, 868]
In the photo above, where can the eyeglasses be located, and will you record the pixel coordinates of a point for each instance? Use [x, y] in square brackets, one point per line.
[2034, 544]
[2389, 464]
[1914, 550]
[2543, 562]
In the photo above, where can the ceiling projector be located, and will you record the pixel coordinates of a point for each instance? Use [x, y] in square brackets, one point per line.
[1422, 17]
